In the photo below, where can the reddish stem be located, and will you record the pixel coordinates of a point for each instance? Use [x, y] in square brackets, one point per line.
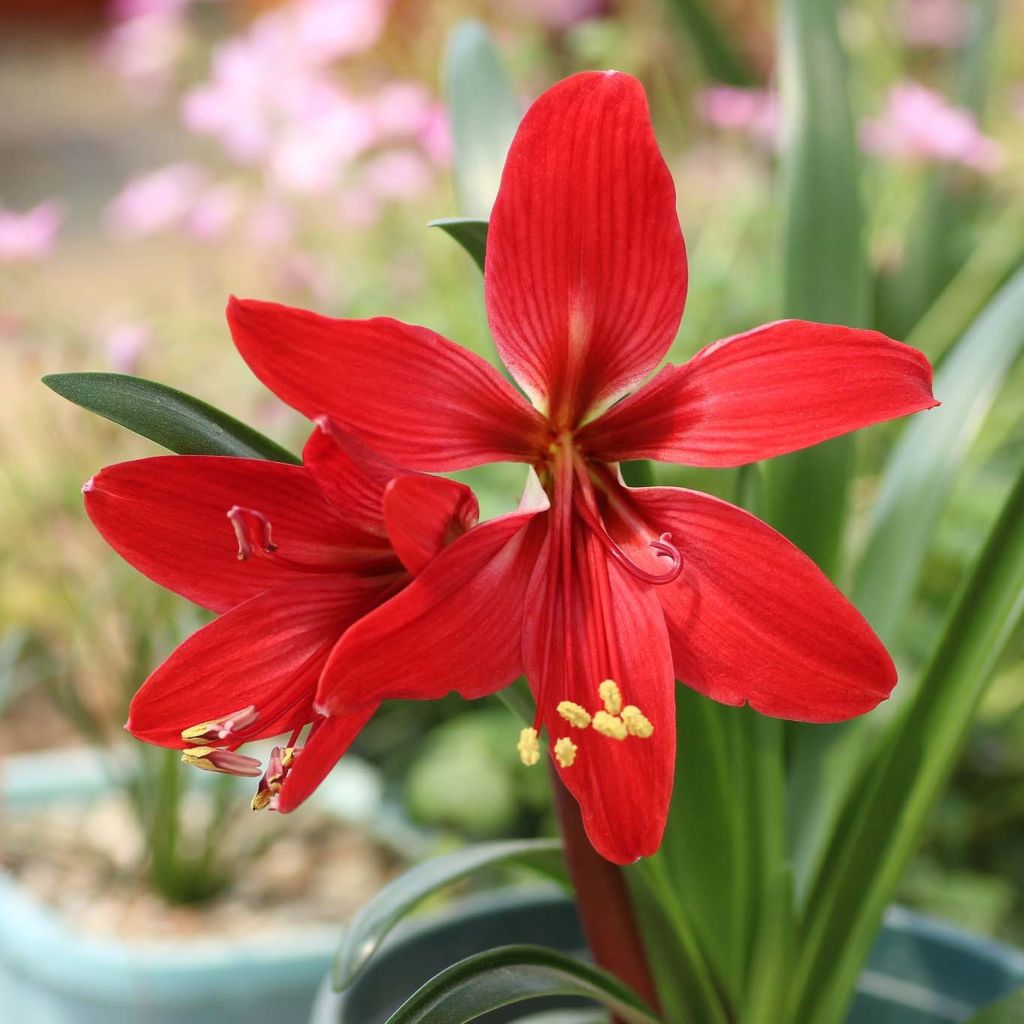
[603, 900]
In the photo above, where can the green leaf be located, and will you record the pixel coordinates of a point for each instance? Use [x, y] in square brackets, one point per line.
[397, 899]
[888, 809]
[720, 57]
[484, 115]
[915, 488]
[470, 234]
[515, 974]
[824, 265]
[1008, 1010]
[177, 421]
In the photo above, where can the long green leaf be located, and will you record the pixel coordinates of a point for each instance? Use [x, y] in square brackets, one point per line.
[824, 264]
[720, 57]
[397, 899]
[470, 234]
[515, 974]
[888, 811]
[484, 116]
[177, 421]
[918, 480]
[1008, 1010]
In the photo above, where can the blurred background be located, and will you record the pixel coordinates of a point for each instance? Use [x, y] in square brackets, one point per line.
[159, 155]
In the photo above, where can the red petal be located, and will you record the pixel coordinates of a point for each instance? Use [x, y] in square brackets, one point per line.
[617, 631]
[167, 516]
[752, 619]
[268, 652]
[325, 746]
[586, 268]
[425, 514]
[418, 399]
[458, 626]
[775, 389]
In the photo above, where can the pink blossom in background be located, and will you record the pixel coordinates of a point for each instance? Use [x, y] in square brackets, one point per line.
[750, 112]
[124, 344]
[215, 211]
[919, 124]
[398, 174]
[145, 50]
[435, 136]
[31, 235]
[270, 225]
[938, 23]
[158, 201]
[561, 14]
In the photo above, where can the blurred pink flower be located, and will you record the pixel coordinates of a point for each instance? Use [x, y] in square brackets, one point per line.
[270, 225]
[214, 212]
[144, 50]
[750, 112]
[158, 201]
[435, 136]
[919, 124]
[560, 14]
[124, 343]
[30, 235]
[122, 10]
[939, 23]
[398, 174]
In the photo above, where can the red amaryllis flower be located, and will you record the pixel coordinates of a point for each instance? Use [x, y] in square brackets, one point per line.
[291, 556]
[603, 594]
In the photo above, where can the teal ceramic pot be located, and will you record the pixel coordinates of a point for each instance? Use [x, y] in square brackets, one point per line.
[921, 971]
[52, 974]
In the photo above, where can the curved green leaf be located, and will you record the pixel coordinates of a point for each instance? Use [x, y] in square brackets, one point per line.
[515, 974]
[177, 421]
[887, 811]
[395, 900]
[484, 115]
[1008, 1010]
[470, 234]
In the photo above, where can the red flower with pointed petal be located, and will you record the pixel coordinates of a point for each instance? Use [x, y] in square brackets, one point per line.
[603, 594]
[291, 556]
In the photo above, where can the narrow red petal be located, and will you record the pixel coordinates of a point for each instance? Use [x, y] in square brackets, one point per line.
[586, 267]
[167, 516]
[773, 390]
[323, 749]
[753, 620]
[425, 514]
[617, 632]
[268, 653]
[419, 400]
[458, 626]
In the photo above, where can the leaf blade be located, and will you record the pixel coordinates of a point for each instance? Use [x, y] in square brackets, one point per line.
[470, 233]
[395, 900]
[177, 421]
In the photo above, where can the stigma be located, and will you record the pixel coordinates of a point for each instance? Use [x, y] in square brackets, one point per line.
[252, 531]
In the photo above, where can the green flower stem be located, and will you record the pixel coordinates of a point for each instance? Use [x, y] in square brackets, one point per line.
[604, 902]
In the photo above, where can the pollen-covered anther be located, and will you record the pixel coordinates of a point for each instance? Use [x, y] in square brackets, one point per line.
[280, 762]
[575, 715]
[252, 531]
[565, 752]
[221, 728]
[528, 747]
[227, 762]
[609, 725]
[636, 722]
[611, 696]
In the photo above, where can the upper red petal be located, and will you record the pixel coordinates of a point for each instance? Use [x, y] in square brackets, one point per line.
[167, 516]
[328, 741]
[458, 626]
[772, 390]
[752, 619]
[419, 400]
[616, 630]
[268, 652]
[426, 513]
[586, 267]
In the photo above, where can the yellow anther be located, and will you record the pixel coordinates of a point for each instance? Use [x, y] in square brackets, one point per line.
[612, 697]
[637, 723]
[528, 747]
[609, 725]
[565, 752]
[262, 799]
[574, 714]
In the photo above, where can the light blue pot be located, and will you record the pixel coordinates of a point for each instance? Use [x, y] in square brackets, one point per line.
[52, 974]
[921, 971]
